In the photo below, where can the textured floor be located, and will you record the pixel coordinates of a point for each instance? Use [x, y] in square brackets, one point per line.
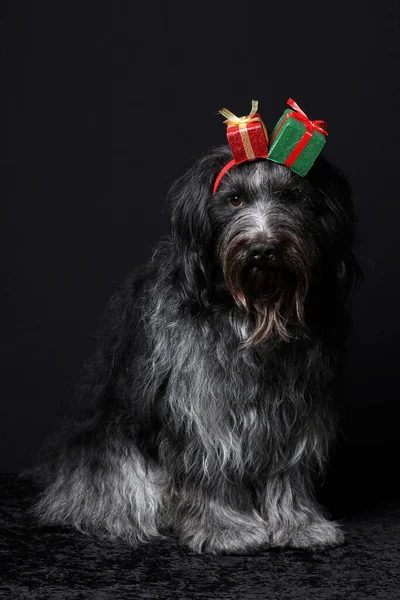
[54, 563]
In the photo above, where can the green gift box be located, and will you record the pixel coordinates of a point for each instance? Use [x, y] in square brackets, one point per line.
[296, 141]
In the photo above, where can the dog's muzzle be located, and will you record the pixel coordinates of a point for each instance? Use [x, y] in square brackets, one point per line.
[264, 255]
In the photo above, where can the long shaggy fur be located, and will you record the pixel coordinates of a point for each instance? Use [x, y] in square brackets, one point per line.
[207, 401]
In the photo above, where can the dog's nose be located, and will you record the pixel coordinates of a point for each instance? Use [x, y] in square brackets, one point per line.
[263, 254]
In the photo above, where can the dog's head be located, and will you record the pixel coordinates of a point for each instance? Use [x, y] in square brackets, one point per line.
[268, 239]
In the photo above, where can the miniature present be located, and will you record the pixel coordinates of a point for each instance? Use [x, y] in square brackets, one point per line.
[247, 136]
[296, 141]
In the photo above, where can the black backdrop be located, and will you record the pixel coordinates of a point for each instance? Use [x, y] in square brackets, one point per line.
[106, 103]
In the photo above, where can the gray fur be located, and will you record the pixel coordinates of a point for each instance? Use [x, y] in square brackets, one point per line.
[209, 398]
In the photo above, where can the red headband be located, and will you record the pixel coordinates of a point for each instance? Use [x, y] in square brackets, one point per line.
[226, 168]
[248, 139]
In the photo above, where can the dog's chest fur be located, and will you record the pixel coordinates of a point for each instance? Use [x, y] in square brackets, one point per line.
[230, 407]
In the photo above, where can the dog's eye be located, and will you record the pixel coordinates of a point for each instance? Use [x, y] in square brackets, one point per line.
[236, 201]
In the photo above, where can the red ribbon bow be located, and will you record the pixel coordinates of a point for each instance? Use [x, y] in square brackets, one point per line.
[301, 116]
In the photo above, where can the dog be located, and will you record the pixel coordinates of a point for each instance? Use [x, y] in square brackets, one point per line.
[206, 410]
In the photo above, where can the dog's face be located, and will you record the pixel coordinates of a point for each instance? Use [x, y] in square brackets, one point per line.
[262, 222]
[270, 231]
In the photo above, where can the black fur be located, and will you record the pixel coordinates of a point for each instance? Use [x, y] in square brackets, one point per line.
[208, 398]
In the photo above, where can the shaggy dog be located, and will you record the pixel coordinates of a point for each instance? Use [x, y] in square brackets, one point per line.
[208, 397]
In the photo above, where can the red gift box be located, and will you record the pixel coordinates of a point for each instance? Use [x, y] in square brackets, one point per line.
[247, 136]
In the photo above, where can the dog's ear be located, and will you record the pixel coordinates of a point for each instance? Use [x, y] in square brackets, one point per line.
[189, 200]
[338, 224]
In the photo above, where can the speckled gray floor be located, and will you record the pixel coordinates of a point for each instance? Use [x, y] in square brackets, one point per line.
[54, 563]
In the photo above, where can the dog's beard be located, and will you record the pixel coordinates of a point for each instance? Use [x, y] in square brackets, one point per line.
[273, 297]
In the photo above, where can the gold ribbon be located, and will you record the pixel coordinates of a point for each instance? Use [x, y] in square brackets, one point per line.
[232, 120]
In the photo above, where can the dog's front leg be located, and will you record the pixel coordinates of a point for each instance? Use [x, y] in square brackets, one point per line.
[294, 517]
[206, 524]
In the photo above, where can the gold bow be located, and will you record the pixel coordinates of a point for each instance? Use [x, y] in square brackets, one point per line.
[232, 119]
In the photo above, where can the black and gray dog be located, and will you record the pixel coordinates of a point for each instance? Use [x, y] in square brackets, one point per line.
[209, 392]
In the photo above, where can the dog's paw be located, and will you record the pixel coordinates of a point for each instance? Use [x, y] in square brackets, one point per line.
[316, 534]
[228, 540]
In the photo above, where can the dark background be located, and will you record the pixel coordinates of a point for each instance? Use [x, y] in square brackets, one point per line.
[105, 104]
